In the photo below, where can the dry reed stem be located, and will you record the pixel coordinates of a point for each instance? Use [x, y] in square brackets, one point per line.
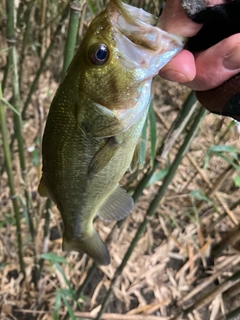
[219, 270]
[221, 288]
[91, 315]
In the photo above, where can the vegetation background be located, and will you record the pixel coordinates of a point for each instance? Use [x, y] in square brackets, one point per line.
[177, 255]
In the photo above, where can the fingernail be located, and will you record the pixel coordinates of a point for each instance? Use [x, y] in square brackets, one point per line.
[173, 75]
[232, 59]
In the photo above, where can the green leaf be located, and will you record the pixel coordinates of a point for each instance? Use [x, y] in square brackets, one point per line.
[11, 107]
[157, 176]
[153, 131]
[237, 181]
[207, 159]
[143, 145]
[63, 274]
[223, 148]
[70, 310]
[36, 157]
[236, 166]
[53, 257]
[92, 6]
[57, 305]
[4, 50]
[3, 265]
[199, 195]
[219, 150]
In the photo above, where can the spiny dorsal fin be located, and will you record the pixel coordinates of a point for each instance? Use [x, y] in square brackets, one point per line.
[117, 206]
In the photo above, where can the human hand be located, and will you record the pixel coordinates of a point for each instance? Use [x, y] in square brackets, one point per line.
[203, 70]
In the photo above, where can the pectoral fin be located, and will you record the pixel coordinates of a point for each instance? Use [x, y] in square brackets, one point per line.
[42, 190]
[117, 206]
[100, 123]
[104, 155]
[135, 159]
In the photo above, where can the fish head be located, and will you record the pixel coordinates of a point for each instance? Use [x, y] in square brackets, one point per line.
[122, 49]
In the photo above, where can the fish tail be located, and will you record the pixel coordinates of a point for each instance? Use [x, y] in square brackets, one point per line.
[93, 246]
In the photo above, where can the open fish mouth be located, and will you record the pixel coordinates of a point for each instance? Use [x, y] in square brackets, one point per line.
[139, 43]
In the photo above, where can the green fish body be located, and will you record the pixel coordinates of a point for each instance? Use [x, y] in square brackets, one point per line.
[95, 121]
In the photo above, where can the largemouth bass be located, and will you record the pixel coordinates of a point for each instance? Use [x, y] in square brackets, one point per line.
[95, 121]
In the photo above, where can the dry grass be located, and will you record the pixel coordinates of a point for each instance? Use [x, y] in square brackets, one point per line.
[183, 265]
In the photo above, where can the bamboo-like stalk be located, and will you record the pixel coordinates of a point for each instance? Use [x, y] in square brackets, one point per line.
[5, 76]
[43, 61]
[42, 36]
[13, 64]
[179, 124]
[75, 12]
[8, 160]
[3, 168]
[25, 39]
[154, 204]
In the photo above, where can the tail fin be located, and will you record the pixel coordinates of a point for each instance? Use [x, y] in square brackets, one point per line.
[93, 246]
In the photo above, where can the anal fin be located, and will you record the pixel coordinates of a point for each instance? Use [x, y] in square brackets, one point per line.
[118, 205]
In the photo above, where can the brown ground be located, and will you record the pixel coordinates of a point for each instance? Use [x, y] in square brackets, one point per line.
[185, 257]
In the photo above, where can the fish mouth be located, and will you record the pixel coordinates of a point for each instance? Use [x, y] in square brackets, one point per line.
[139, 43]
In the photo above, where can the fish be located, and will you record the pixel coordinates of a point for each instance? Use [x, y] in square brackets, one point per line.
[95, 120]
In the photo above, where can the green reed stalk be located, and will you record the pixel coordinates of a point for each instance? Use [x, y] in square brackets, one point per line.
[43, 61]
[8, 160]
[13, 65]
[155, 202]
[75, 12]
[5, 76]
[25, 38]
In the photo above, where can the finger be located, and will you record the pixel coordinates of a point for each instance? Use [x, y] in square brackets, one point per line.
[174, 20]
[217, 64]
[181, 68]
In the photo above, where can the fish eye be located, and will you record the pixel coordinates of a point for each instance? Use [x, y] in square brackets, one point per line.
[100, 54]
